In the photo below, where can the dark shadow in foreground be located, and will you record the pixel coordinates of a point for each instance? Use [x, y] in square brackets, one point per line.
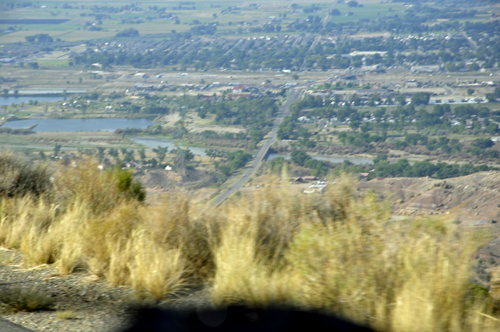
[237, 318]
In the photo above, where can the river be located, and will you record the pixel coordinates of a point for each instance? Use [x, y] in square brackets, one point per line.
[155, 142]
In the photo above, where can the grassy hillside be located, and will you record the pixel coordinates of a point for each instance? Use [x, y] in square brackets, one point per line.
[339, 252]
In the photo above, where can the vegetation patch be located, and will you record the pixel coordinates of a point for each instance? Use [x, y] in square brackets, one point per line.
[16, 299]
[338, 252]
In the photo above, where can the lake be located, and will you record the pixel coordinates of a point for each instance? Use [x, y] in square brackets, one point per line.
[44, 125]
[26, 99]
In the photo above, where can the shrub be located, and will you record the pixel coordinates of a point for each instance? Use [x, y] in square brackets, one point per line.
[20, 177]
[339, 251]
[21, 299]
[100, 191]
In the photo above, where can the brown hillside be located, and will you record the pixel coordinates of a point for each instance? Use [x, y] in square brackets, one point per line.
[474, 199]
[471, 201]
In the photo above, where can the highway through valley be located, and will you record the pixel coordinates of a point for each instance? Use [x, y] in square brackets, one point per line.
[293, 96]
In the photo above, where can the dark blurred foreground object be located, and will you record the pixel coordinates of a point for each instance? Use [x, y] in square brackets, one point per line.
[237, 318]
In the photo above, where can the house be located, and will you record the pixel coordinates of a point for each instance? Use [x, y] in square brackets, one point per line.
[309, 178]
[298, 180]
[207, 97]
[140, 75]
[412, 84]
[239, 95]
[425, 69]
[238, 88]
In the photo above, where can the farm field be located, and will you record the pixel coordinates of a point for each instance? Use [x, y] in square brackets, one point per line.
[72, 23]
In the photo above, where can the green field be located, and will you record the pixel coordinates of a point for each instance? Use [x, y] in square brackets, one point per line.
[81, 15]
[53, 63]
[368, 11]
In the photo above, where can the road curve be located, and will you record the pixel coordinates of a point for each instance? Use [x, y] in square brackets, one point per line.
[292, 97]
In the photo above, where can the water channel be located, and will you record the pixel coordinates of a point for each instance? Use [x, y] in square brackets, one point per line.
[155, 142]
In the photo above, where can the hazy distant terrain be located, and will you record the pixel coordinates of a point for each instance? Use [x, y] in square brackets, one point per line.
[325, 148]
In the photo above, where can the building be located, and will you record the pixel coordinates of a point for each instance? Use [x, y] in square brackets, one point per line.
[239, 95]
[425, 69]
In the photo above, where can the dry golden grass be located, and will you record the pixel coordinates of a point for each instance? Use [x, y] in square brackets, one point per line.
[338, 252]
[67, 314]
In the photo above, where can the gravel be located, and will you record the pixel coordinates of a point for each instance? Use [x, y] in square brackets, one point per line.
[96, 305]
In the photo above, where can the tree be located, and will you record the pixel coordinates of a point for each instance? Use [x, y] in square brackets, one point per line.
[354, 124]
[483, 143]
[142, 153]
[129, 156]
[400, 99]
[113, 153]
[420, 98]
[470, 91]
[100, 153]
[352, 4]
[124, 152]
[182, 158]
[57, 148]
[299, 157]
[160, 152]
[380, 157]
[295, 76]
[490, 97]
[335, 12]
[128, 33]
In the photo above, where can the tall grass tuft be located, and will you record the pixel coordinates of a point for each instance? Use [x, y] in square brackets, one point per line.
[339, 251]
[348, 257]
[17, 299]
[20, 177]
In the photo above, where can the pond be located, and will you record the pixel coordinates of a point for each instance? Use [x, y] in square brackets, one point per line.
[73, 125]
[26, 99]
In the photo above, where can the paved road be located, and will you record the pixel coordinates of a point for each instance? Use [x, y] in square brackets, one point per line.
[293, 95]
[317, 38]
[6, 326]
[327, 17]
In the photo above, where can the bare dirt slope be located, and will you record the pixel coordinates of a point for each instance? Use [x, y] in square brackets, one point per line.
[474, 199]
[471, 201]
